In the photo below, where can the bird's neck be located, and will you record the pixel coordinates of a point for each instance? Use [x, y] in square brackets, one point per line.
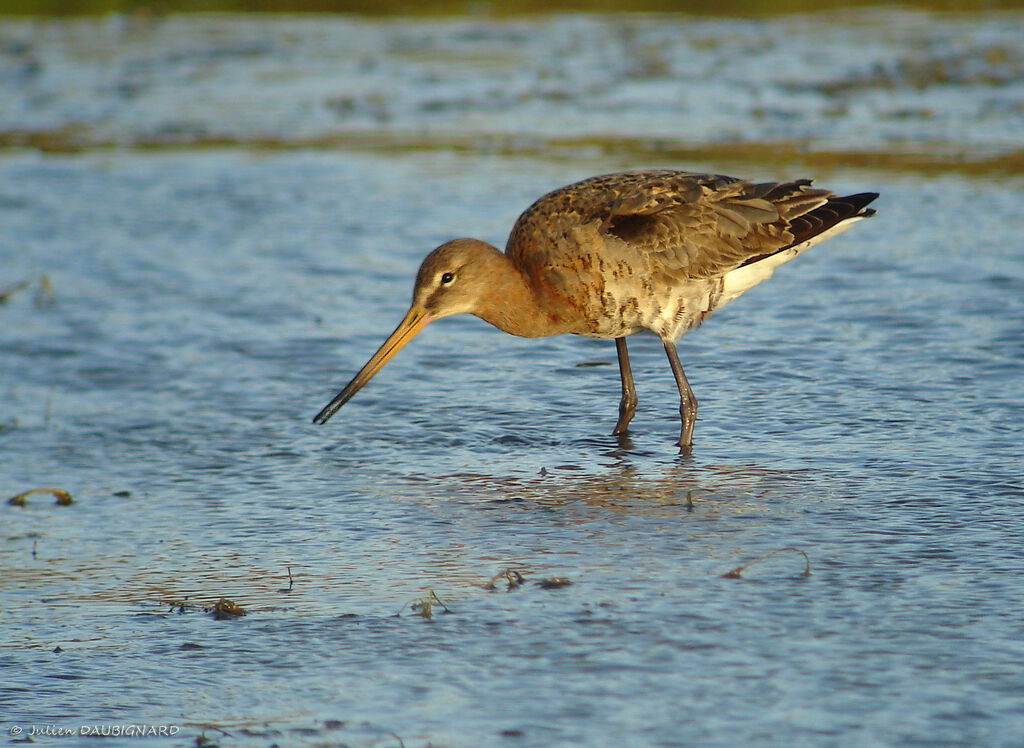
[513, 303]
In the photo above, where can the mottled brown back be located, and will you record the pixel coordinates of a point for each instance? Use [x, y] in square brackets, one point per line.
[681, 226]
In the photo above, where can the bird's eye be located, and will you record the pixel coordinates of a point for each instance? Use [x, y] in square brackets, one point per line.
[447, 278]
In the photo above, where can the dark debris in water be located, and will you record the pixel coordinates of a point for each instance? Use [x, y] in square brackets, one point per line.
[204, 742]
[291, 583]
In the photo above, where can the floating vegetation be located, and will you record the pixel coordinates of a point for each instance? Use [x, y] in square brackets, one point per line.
[512, 577]
[553, 583]
[736, 573]
[220, 610]
[424, 606]
[7, 292]
[141, 12]
[990, 65]
[63, 498]
[515, 578]
[225, 608]
[44, 291]
[940, 158]
[689, 499]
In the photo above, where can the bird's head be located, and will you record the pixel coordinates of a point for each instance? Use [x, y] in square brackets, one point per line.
[453, 279]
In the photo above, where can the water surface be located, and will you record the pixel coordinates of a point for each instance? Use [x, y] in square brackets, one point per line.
[863, 407]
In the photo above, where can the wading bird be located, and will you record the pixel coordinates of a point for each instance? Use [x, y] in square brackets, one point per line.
[616, 254]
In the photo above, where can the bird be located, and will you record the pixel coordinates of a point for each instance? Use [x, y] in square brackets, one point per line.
[616, 254]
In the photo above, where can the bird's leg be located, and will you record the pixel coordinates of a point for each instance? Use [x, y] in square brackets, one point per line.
[687, 402]
[627, 406]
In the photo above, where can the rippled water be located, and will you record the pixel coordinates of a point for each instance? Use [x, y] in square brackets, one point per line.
[851, 80]
[864, 407]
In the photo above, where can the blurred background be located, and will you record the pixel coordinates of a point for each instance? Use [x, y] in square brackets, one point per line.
[910, 86]
[395, 7]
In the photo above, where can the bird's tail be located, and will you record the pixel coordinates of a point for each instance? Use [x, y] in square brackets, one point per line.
[833, 217]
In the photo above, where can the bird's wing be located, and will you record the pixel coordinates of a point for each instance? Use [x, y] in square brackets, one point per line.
[677, 224]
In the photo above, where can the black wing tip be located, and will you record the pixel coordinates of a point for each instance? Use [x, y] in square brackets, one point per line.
[859, 202]
[836, 210]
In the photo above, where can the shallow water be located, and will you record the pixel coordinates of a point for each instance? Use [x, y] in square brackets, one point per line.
[863, 407]
[876, 80]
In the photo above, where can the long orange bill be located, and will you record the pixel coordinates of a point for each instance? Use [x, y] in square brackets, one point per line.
[415, 320]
